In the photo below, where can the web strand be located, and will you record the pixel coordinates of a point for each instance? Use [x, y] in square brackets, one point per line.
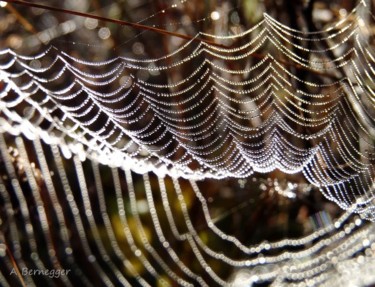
[107, 163]
[210, 124]
[123, 225]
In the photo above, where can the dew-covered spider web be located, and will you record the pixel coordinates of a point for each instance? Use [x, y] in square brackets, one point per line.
[241, 156]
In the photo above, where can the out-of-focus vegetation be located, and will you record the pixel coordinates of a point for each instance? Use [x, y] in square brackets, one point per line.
[264, 207]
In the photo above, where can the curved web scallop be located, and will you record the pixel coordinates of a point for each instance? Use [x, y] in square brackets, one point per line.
[106, 164]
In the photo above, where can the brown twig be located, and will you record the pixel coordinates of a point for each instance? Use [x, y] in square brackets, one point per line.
[116, 21]
[25, 23]
[161, 31]
[15, 266]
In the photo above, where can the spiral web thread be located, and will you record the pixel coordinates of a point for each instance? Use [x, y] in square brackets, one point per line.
[320, 257]
[67, 122]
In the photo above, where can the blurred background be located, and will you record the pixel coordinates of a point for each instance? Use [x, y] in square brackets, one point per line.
[260, 208]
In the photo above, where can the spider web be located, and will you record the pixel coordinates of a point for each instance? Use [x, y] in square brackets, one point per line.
[77, 230]
[99, 155]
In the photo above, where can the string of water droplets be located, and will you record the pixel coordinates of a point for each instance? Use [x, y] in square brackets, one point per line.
[97, 158]
[84, 222]
[218, 121]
